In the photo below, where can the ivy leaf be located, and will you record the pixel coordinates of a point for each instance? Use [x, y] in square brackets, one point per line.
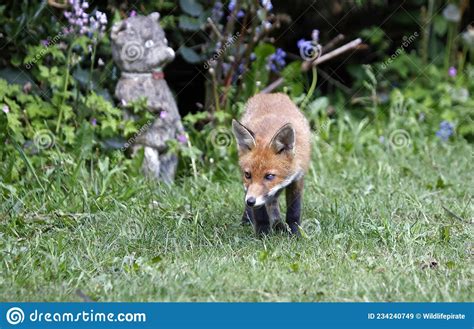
[191, 7]
[189, 23]
[189, 55]
[69, 134]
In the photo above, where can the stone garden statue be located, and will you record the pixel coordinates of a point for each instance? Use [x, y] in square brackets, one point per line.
[140, 50]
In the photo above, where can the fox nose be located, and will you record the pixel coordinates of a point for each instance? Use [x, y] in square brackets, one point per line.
[251, 201]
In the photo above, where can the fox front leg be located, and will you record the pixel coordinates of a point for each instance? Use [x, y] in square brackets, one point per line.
[294, 199]
[261, 221]
[247, 217]
[273, 210]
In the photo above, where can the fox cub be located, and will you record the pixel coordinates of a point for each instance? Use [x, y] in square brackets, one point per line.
[274, 144]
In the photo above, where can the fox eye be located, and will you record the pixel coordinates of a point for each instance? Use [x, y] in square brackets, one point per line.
[269, 176]
[247, 175]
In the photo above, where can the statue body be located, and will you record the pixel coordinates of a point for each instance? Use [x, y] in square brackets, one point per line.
[140, 50]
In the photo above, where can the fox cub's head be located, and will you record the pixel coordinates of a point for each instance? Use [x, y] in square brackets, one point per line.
[266, 166]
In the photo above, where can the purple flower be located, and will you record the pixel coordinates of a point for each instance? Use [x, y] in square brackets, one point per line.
[80, 21]
[45, 43]
[452, 71]
[5, 109]
[276, 61]
[231, 5]
[301, 43]
[182, 138]
[267, 4]
[94, 122]
[253, 57]
[446, 129]
[267, 25]
[163, 114]
[133, 13]
[231, 8]
[217, 11]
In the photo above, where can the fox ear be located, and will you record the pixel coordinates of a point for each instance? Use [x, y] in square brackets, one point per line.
[284, 139]
[245, 138]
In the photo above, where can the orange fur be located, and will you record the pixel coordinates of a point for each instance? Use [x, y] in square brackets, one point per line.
[265, 114]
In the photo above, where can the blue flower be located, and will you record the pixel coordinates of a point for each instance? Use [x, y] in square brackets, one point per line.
[276, 61]
[267, 4]
[217, 12]
[446, 129]
[231, 8]
[309, 50]
[300, 43]
[231, 5]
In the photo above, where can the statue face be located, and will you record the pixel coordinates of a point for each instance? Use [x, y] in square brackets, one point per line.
[139, 44]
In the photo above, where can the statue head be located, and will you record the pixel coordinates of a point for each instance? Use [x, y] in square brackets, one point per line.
[139, 44]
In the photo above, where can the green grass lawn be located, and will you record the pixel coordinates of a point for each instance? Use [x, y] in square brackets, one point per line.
[379, 225]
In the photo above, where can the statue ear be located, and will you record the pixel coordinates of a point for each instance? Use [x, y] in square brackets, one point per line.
[155, 16]
[284, 139]
[117, 28]
[245, 138]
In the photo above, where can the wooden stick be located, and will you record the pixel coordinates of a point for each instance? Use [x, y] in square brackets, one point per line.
[333, 43]
[307, 64]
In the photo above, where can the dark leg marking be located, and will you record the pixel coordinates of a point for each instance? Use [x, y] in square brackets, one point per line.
[247, 217]
[261, 221]
[294, 198]
[273, 210]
